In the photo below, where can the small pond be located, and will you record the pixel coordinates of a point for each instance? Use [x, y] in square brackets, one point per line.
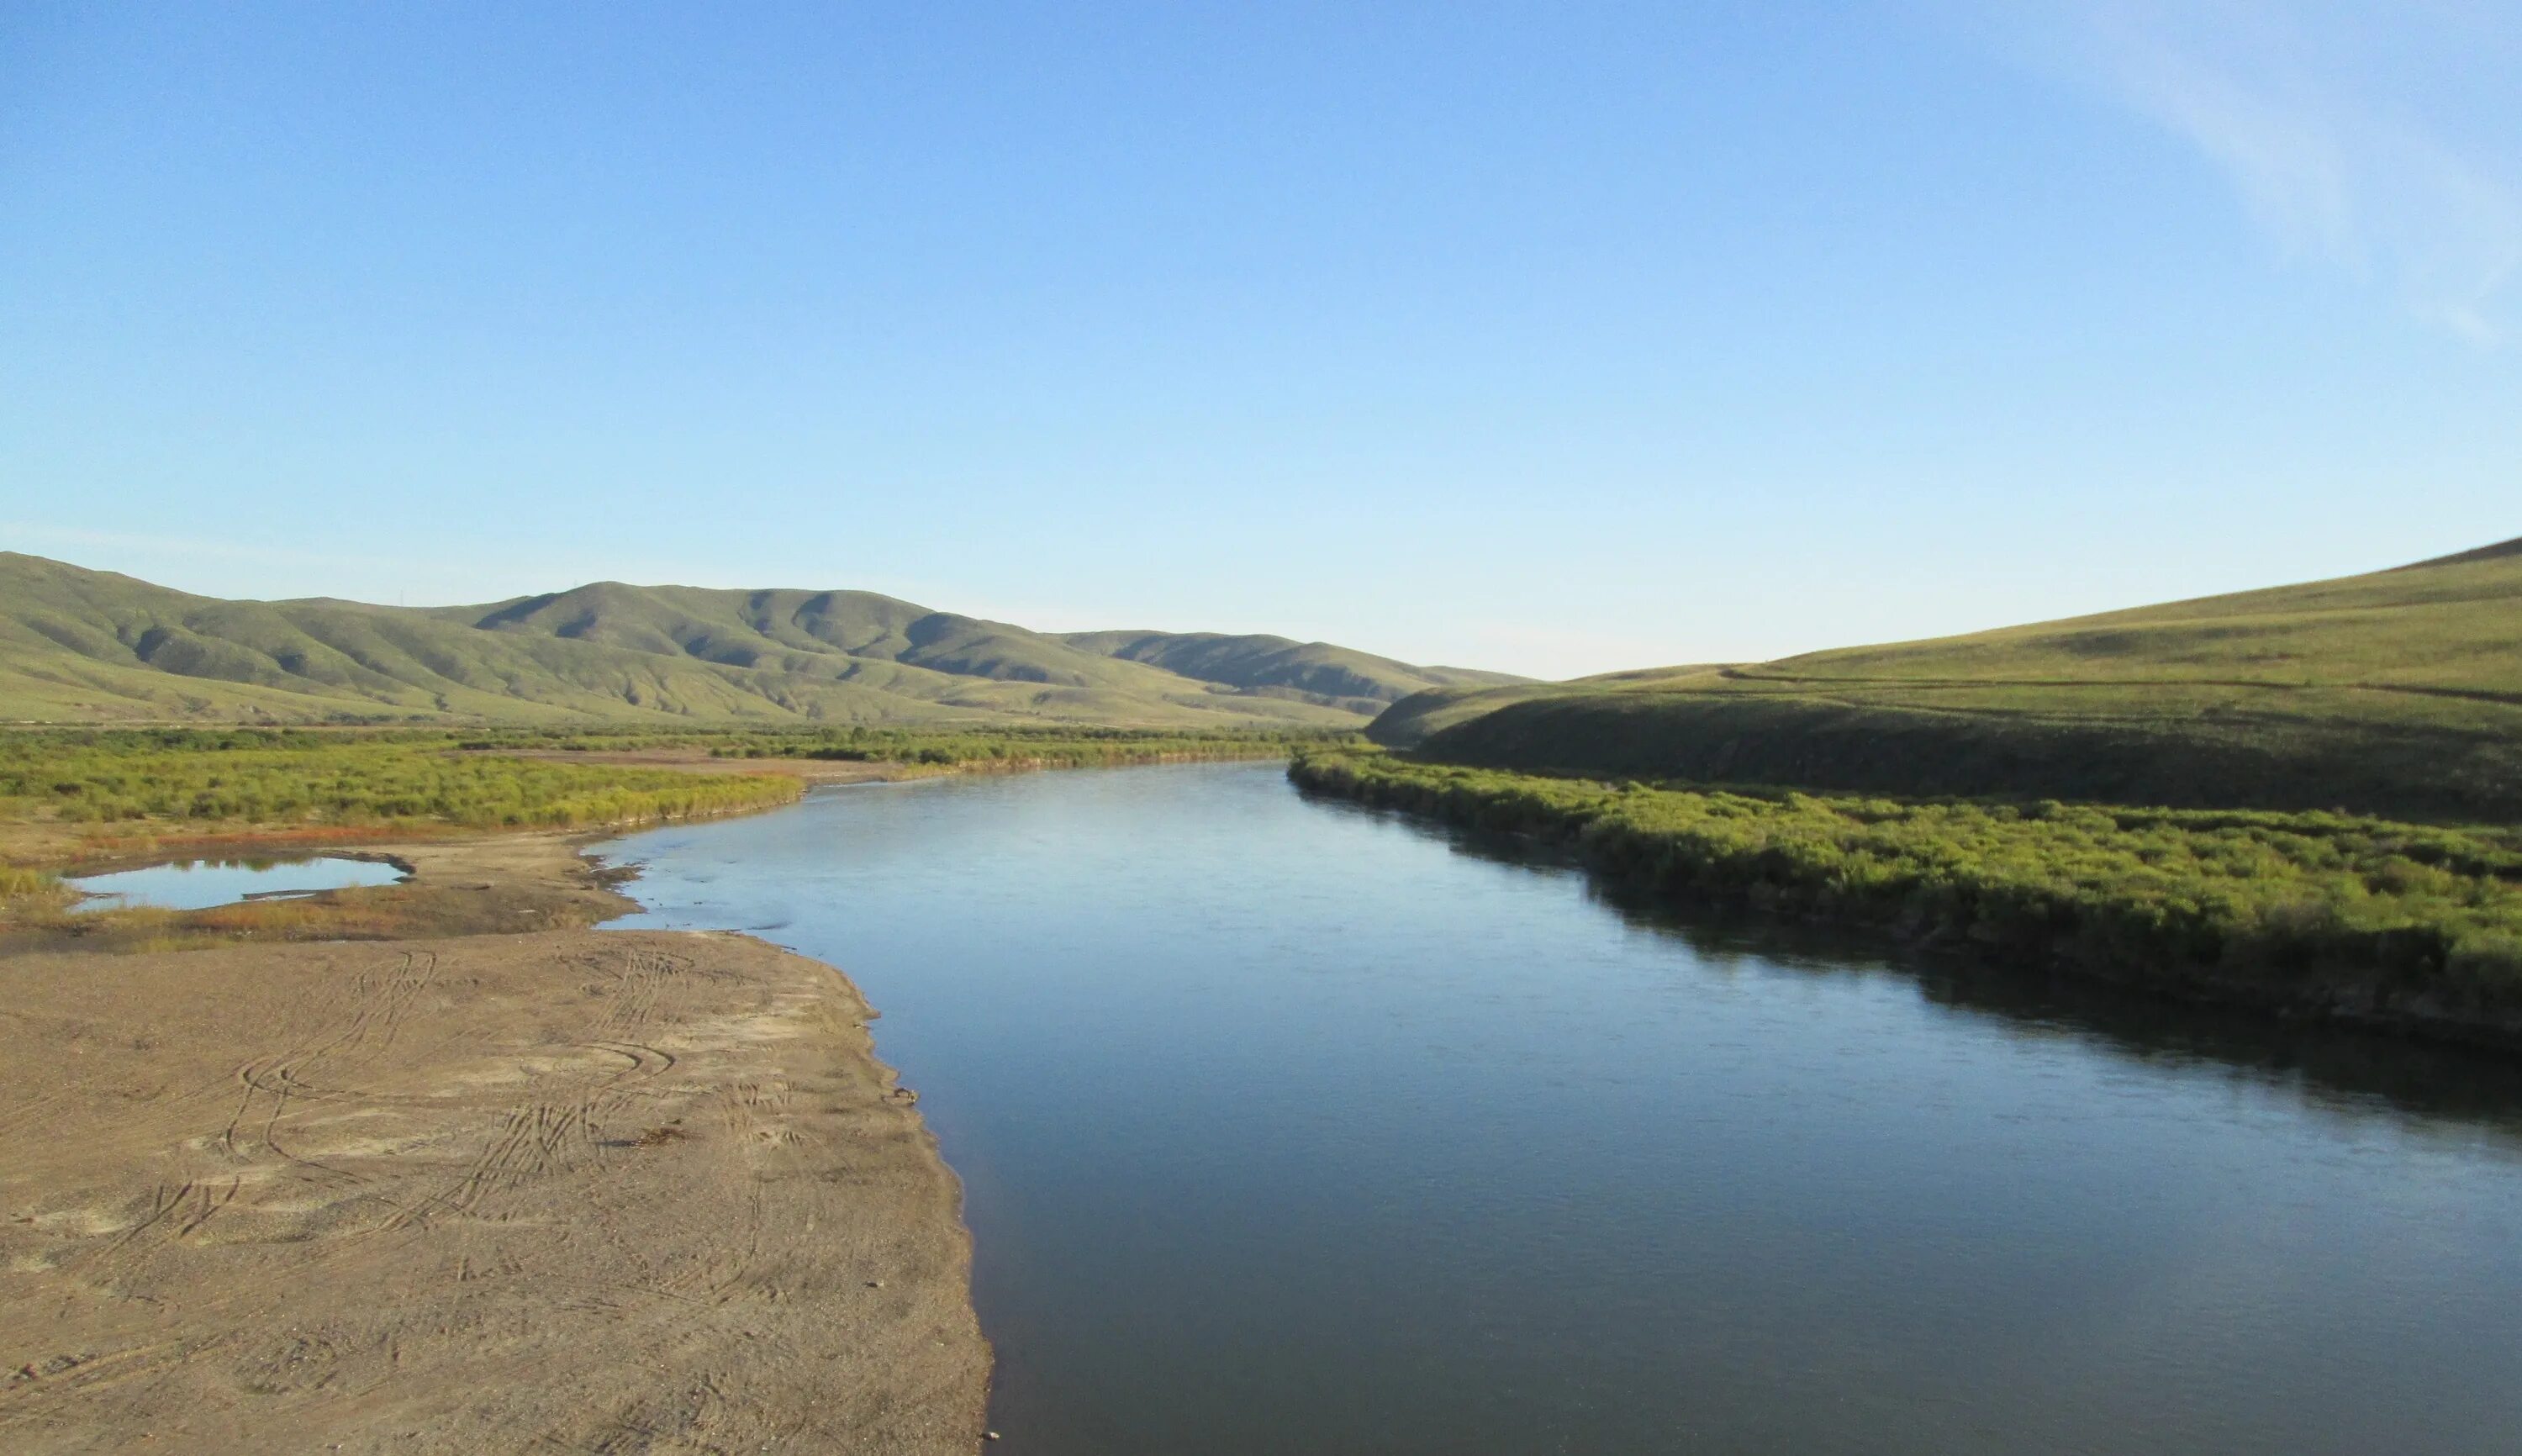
[200, 884]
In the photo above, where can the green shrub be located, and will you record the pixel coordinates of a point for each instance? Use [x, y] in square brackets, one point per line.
[2304, 904]
[293, 777]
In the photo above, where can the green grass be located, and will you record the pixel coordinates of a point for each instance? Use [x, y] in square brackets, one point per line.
[1038, 748]
[79, 793]
[409, 776]
[74, 793]
[2314, 912]
[2399, 693]
[278, 777]
[25, 890]
[79, 645]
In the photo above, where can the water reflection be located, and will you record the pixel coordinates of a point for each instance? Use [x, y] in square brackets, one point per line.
[1290, 1127]
[201, 884]
[2343, 1066]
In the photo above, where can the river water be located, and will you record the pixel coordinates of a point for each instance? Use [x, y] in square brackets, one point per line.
[1292, 1127]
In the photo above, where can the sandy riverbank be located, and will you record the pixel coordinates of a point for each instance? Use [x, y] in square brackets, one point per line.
[588, 1190]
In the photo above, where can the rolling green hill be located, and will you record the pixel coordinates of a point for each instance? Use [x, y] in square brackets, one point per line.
[2397, 693]
[1411, 721]
[1315, 671]
[79, 645]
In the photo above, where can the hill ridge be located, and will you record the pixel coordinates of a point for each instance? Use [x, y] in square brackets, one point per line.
[77, 644]
[2396, 691]
[2496, 552]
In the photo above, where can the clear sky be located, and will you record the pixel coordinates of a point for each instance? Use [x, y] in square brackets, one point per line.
[1555, 337]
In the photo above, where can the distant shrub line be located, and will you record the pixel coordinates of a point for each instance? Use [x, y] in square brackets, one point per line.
[1050, 749]
[283, 778]
[296, 784]
[297, 776]
[2323, 914]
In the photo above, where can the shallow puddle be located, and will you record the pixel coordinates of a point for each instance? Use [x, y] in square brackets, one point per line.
[200, 884]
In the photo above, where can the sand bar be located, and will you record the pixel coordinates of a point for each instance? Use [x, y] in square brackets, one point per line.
[564, 1189]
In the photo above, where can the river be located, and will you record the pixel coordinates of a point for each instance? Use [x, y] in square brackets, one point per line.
[1288, 1126]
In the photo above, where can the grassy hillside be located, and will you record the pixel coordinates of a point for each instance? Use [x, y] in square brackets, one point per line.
[2399, 693]
[1414, 719]
[1315, 671]
[79, 645]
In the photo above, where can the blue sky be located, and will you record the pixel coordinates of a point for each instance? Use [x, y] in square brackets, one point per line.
[1551, 337]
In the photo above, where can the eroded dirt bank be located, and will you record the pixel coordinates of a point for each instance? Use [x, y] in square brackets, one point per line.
[570, 1189]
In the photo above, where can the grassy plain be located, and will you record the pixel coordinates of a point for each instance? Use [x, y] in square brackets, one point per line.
[97, 796]
[2315, 913]
[2399, 693]
[299, 778]
[1039, 748]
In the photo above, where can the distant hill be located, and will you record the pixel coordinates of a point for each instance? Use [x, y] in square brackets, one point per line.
[79, 645]
[2399, 691]
[1317, 671]
[1411, 721]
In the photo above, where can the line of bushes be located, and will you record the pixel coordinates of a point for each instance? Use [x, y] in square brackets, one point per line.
[2321, 914]
[1060, 748]
[1048, 747]
[368, 779]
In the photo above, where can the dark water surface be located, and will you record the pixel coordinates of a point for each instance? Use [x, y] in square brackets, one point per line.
[1288, 1127]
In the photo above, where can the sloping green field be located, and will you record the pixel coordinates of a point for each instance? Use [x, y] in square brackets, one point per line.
[79, 645]
[2399, 693]
[1342, 676]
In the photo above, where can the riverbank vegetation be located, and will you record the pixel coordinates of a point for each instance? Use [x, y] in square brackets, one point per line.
[1043, 748]
[2398, 693]
[72, 795]
[116, 794]
[2315, 913]
[386, 780]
